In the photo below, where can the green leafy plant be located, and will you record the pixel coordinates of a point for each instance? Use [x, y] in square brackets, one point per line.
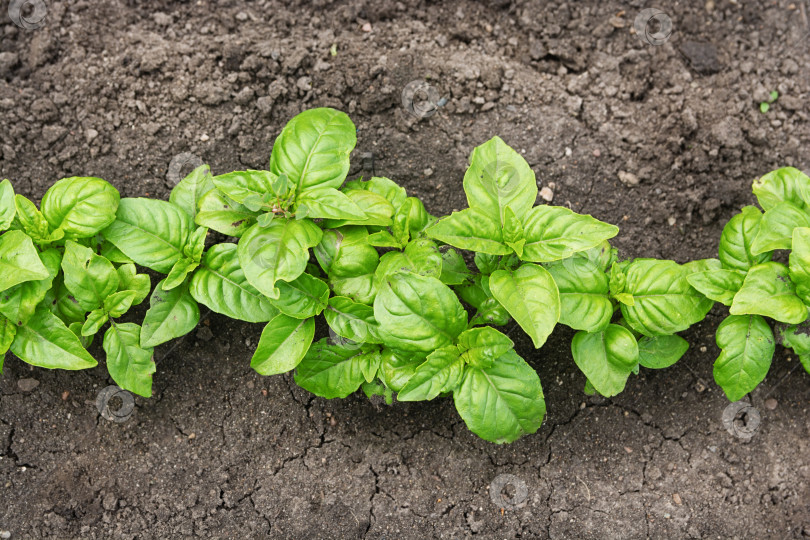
[757, 288]
[390, 280]
[765, 106]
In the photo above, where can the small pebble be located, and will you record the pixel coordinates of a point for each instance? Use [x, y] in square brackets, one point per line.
[546, 194]
[703, 349]
[428, 172]
[367, 27]
[771, 403]
[700, 387]
[65, 395]
[597, 153]
[204, 137]
[26, 385]
[241, 16]
[667, 516]
[628, 178]
[677, 499]
[628, 449]
[671, 220]
[5, 535]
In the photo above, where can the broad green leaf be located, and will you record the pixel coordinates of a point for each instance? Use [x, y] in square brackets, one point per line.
[313, 149]
[7, 208]
[661, 351]
[219, 213]
[703, 265]
[177, 274]
[796, 337]
[220, 284]
[19, 261]
[7, 332]
[277, 252]
[130, 280]
[499, 177]
[768, 291]
[81, 207]
[152, 233]
[530, 296]
[800, 263]
[747, 348]
[171, 314]
[130, 365]
[782, 185]
[718, 285]
[421, 257]
[351, 320]
[378, 210]
[19, 302]
[486, 264]
[441, 372]
[349, 261]
[33, 223]
[735, 251]
[397, 368]
[480, 347]
[95, 320]
[283, 344]
[503, 402]
[67, 307]
[332, 372]
[513, 231]
[410, 220]
[479, 295]
[393, 192]
[554, 232]
[454, 269]
[470, 229]
[247, 187]
[607, 358]
[119, 303]
[418, 313]
[776, 227]
[191, 189]
[45, 341]
[584, 296]
[327, 203]
[113, 254]
[663, 301]
[303, 297]
[90, 278]
[76, 328]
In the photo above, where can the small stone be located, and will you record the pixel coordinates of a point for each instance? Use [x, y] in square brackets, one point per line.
[671, 220]
[628, 449]
[192, 436]
[597, 153]
[703, 349]
[204, 137]
[65, 395]
[428, 172]
[667, 516]
[367, 27]
[617, 22]
[771, 403]
[90, 134]
[5, 535]
[546, 194]
[700, 387]
[205, 334]
[241, 16]
[628, 178]
[677, 499]
[26, 385]
[162, 19]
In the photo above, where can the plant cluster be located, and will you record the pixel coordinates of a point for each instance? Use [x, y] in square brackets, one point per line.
[407, 316]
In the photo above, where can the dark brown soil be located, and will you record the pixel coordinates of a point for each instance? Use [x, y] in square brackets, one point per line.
[117, 89]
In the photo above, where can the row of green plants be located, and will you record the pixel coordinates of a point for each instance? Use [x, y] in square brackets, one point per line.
[417, 306]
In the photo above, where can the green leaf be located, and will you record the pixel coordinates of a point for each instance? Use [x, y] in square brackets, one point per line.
[747, 348]
[472, 230]
[33, 223]
[796, 337]
[584, 295]
[277, 252]
[768, 291]
[454, 269]
[513, 231]
[246, 187]
[351, 320]
[350, 262]
[19, 261]
[499, 177]
[327, 203]
[800, 263]
[119, 303]
[45, 341]
[776, 227]
[265, 219]
[7, 208]
[378, 210]
[95, 320]
[189, 192]
[530, 296]
[480, 347]
[332, 372]
[735, 251]
[487, 264]
[219, 213]
[177, 274]
[503, 402]
[663, 301]
[783, 185]
[390, 190]
[171, 314]
[396, 369]
[221, 285]
[19, 302]
[283, 344]
[130, 365]
[313, 149]
[130, 280]
[607, 358]
[554, 232]
[90, 278]
[81, 207]
[661, 351]
[441, 372]
[302, 298]
[152, 233]
[113, 254]
[718, 285]
[420, 257]
[418, 313]
[7, 332]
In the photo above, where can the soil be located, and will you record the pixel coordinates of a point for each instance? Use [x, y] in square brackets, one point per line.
[662, 140]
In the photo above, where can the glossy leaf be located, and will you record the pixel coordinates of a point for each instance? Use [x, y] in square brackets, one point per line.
[481, 347]
[330, 371]
[782, 185]
[7, 208]
[718, 285]
[171, 314]
[352, 320]
[747, 345]
[90, 278]
[327, 203]
[607, 358]
[379, 211]
[130, 365]
[246, 187]
[81, 207]
[660, 352]
[584, 294]
[302, 298]
[737, 240]
[530, 296]
[19, 261]
[221, 214]
[283, 344]
[441, 372]
[188, 193]
[19, 302]
[470, 229]
[130, 280]
[768, 291]
[776, 227]
[800, 263]
[554, 232]
[45, 341]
